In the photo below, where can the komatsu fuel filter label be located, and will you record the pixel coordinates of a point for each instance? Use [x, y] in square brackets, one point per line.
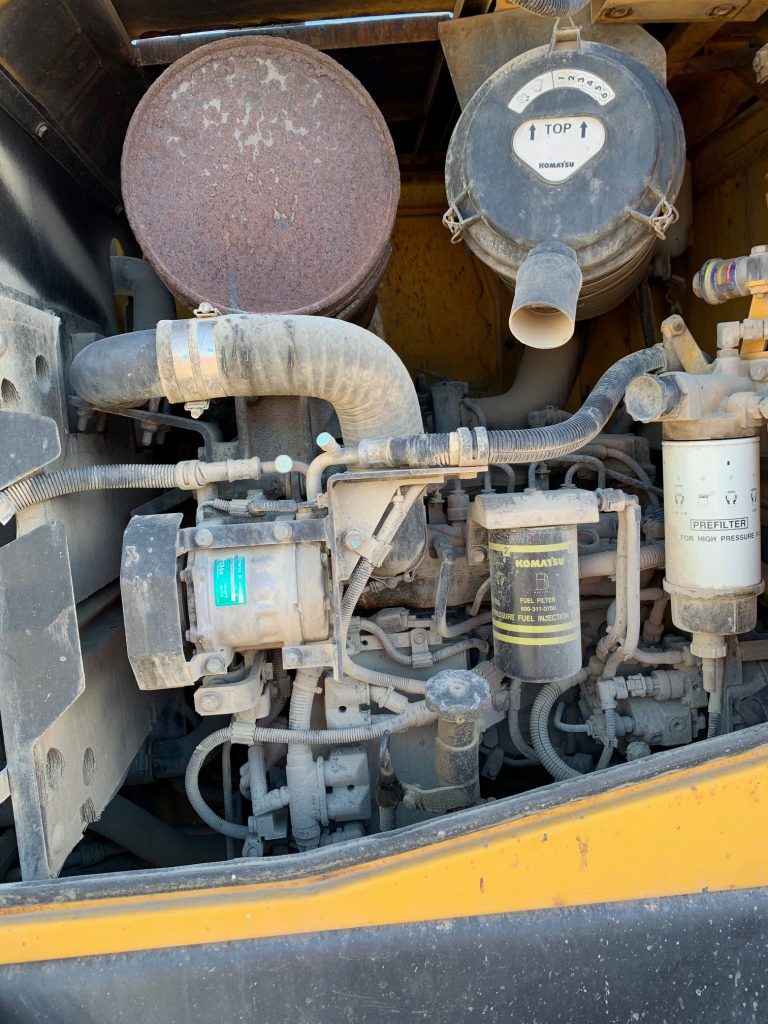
[556, 148]
[229, 581]
[563, 78]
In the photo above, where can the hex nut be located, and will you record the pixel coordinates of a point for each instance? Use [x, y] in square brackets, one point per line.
[214, 665]
[354, 539]
[477, 556]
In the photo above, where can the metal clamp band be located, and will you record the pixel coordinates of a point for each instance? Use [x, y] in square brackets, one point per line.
[187, 360]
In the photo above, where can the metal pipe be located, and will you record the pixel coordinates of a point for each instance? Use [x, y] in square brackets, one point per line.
[322, 34]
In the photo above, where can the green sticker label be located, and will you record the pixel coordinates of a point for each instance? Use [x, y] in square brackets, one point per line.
[229, 581]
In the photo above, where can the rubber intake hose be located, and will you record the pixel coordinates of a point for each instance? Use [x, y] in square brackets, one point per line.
[552, 8]
[253, 355]
[538, 443]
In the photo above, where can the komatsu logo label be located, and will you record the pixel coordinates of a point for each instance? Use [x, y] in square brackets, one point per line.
[557, 147]
[538, 563]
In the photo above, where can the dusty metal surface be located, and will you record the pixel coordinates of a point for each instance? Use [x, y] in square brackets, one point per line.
[275, 181]
[326, 34]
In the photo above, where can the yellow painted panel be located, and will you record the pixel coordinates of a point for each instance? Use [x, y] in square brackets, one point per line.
[685, 832]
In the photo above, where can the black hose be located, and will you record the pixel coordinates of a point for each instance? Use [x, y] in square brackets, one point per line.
[540, 443]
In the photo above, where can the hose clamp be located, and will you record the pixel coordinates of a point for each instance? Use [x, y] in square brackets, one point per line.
[188, 361]
[469, 447]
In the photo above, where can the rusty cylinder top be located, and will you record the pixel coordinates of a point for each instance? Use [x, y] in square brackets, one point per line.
[258, 175]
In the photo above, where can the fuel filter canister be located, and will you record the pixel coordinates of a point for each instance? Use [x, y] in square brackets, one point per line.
[532, 538]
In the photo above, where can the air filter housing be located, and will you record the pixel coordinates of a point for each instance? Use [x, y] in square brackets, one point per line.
[583, 147]
[259, 175]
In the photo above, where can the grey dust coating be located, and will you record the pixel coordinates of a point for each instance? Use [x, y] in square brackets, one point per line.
[259, 175]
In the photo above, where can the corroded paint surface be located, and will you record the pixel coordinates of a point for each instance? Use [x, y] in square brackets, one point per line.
[259, 175]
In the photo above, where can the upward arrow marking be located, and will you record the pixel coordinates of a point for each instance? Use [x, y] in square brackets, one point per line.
[533, 132]
[584, 127]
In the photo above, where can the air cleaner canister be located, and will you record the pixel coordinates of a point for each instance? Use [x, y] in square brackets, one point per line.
[535, 580]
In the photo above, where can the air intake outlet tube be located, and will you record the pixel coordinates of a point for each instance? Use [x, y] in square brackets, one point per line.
[546, 296]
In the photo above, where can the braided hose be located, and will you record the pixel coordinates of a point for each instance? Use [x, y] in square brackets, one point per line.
[552, 8]
[536, 444]
[47, 486]
[272, 802]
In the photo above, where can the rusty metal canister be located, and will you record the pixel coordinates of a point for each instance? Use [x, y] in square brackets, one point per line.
[259, 175]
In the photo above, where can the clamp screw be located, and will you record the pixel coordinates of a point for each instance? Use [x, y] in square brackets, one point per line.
[203, 538]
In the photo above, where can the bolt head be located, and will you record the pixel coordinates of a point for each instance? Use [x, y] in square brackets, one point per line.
[282, 531]
[214, 665]
[291, 657]
[203, 538]
[353, 539]
[418, 637]
[41, 131]
[721, 11]
[678, 325]
[477, 556]
[210, 702]
[617, 13]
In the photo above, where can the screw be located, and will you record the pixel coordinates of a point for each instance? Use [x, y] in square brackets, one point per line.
[41, 130]
[214, 664]
[722, 11]
[283, 531]
[477, 556]
[203, 538]
[617, 13]
[291, 657]
[210, 702]
[353, 539]
[418, 637]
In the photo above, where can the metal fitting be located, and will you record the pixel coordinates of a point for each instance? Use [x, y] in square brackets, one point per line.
[458, 695]
[215, 665]
[203, 538]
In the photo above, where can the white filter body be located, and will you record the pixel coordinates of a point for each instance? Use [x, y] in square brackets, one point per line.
[712, 514]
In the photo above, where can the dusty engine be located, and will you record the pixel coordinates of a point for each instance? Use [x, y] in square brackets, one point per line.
[440, 606]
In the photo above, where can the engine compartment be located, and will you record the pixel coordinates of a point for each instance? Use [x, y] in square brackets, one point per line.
[354, 592]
